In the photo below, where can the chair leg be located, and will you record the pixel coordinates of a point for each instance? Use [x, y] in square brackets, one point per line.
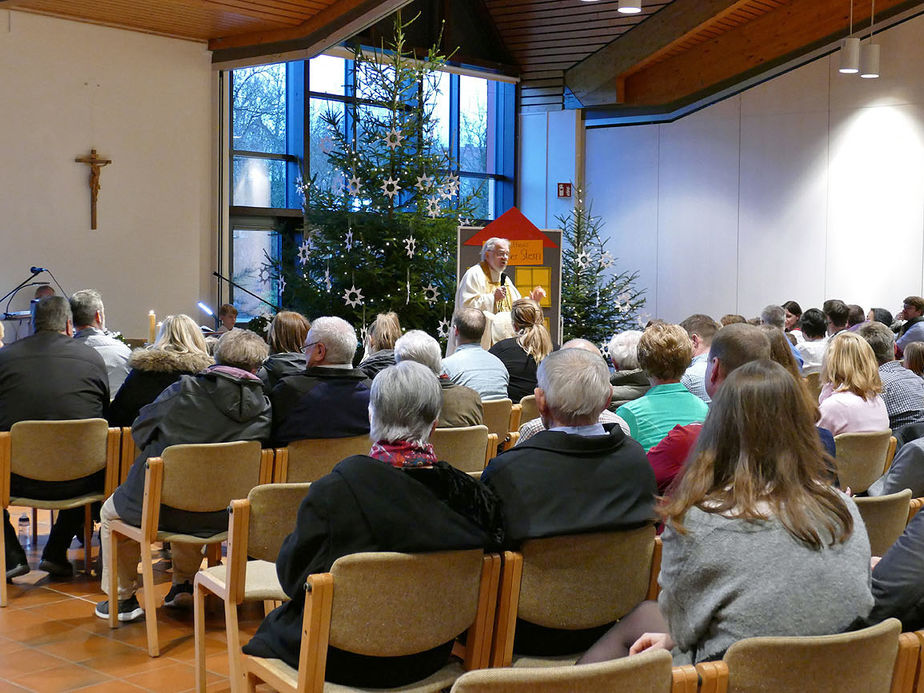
[250, 682]
[3, 586]
[199, 630]
[213, 554]
[150, 599]
[111, 559]
[233, 635]
[35, 527]
[87, 536]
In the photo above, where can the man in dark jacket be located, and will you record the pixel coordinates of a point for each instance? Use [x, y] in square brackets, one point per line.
[223, 403]
[50, 376]
[330, 399]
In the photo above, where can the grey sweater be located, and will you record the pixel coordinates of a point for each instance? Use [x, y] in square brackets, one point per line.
[729, 579]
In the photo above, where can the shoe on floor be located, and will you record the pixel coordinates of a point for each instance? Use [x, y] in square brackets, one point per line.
[19, 567]
[180, 596]
[57, 569]
[129, 609]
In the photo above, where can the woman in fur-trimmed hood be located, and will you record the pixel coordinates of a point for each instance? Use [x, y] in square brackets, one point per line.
[179, 350]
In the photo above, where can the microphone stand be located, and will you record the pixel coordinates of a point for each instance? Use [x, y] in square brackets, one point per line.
[12, 294]
[246, 291]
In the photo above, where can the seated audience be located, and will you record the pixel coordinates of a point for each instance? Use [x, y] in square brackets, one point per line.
[398, 498]
[286, 337]
[178, 350]
[836, 313]
[732, 319]
[530, 428]
[90, 328]
[664, 351]
[461, 406]
[776, 316]
[379, 345]
[521, 355]
[793, 314]
[913, 358]
[855, 316]
[227, 315]
[902, 390]
[628, 380]
[330, 399]
[849, 401]
[906, 471]
[701, 329]
[913, 330]
[578, 476]
[880, 315]
[898, 580]
[757, 542]
[49, 376]
[815, 340]
[470, 364]
[223, 403]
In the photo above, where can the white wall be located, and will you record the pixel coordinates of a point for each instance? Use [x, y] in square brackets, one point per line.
[809, 186]
[145, 102]
[548, 153]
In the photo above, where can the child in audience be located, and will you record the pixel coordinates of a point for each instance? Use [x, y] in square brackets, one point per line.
[849, 401]
[757, 540]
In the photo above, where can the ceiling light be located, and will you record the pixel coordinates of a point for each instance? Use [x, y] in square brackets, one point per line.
[630, 6]
[869, 60]
[850, 50]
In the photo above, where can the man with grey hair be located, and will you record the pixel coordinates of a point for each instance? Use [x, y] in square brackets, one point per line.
[330, 399]
[461, 405]
[629, 381]
[90, 326]
[902, 390]
[49, 376]
[471, 365]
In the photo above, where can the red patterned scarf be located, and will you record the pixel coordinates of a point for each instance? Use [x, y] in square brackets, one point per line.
[404, 453]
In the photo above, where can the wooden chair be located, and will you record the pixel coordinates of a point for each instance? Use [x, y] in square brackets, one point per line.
[127, 453]
[885, 518]
[528, 409]
[813, 383]
[890, 454]
[386, 605]
[502, 418]
[312, 458]
[573, 582]
[861, 457]
[878, 659]
[58, 451]
[257, 527]
[204, 477]
[467, 448]
[648, 672]
[913, 506]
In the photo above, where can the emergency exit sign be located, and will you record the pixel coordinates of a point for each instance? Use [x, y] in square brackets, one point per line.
[564, 189]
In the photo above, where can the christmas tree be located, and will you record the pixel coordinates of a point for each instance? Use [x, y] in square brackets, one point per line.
[596, 300]
[380, 223]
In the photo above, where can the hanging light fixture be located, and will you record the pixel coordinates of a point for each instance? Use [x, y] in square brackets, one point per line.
[869, 51]
[630, 6]
[850, 50]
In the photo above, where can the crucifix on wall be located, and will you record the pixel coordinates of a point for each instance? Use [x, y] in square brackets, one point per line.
[95, 163]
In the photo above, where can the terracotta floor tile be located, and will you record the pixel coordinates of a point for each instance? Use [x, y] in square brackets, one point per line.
[66, 677]
[82, 645]
[113, 686]
[45, 632]
[128, 663]
[26, 596]
[28, 661]
[171, 679]
[10, 687]
[69, 610]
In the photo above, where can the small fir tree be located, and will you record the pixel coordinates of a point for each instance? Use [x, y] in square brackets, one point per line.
[596, 300]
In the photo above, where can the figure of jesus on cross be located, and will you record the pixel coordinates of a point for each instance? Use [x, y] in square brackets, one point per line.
[95, 163]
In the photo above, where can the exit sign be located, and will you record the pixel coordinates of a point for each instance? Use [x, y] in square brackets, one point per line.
[564, 189]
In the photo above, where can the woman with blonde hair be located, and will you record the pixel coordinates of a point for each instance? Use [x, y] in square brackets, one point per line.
[178, 350]
[286, 338]
[523, 353]
[379, 344]
[756, 542]
[849, 401]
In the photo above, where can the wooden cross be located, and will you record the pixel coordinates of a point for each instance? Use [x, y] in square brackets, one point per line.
[95, 163]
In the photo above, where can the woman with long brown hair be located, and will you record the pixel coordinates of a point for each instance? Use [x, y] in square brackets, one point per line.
[849, 401]
[379, 344]
[286, 337]
[757, 541]
[523, 354]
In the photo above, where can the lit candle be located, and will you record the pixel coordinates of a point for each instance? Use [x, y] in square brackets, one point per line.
[152, 326]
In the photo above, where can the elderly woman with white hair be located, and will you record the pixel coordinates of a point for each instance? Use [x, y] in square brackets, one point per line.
[629, 381]
[399, 497]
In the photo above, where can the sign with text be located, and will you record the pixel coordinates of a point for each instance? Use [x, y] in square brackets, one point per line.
[525, 252]
[564, 189]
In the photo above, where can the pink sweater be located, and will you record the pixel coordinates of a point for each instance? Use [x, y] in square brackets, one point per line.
[845, 412]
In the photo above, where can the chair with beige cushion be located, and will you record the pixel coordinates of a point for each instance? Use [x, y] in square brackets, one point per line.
[257, 526]
[467, 448]
[528, 409]
[878, 659]
[389, 605]
[813, 383]
[573, 582]
[128, 453]
[861, 457]
[502, 418]
[312, 458]
[203, 477]
[58, 451]
[648, 672]
[885, 518]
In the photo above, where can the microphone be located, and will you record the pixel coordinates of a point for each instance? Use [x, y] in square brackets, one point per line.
[36, 270]
[503, 279]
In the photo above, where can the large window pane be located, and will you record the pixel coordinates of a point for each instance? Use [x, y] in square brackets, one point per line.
[327, 74]
[254, 251]
[259, 182]
[482, 192]
[259, 108]
[367, 81]
[438, 100]
[324, 116]
[373, 122]
[473, 124]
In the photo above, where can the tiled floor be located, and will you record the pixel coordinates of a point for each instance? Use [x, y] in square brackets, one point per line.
[50, 639]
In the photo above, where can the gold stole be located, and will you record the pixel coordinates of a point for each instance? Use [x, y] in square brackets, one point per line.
[504, 305]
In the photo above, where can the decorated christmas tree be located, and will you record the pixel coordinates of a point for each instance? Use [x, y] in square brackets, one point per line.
[380, 222]
[596, 300]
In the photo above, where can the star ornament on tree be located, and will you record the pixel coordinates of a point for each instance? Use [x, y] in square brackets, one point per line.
[433, 207]
[393, 138]
[348, 240]
[282, 284]
[424, 182]
[264, 275]
[583, 259]
[443, 330]
[390, 187]
[353, 297]
[431, 293]
[303, 251]
[410, 245]
[354, 185]
[327, 282]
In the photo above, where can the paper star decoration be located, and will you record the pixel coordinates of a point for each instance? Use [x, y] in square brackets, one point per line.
[433, 207]
[390, 187]
[446, 191]
[607, 258]
[303, 251]
[326, 144]
[583, 259]
[393, 138]
[264, 275]
[348, 240]
[353, 297]
[410, 245]
[443, 330]
[424, 182]
[282, 284]
[354, 185]
[452, 181]
[327, 282]
[431, 293]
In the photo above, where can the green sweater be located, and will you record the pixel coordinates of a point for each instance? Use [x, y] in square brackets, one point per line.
[652, 416]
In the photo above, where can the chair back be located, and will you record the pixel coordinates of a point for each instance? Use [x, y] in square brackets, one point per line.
[528, 409]
[205, 477]
[885, 518]
[392, 604]
[273, 508]
[464, 448]
[58, 450]
[312, 458]
[861, 458]
[585, 580]
[862, 660]
[648, 672]
[813, 383]
[497, 417]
